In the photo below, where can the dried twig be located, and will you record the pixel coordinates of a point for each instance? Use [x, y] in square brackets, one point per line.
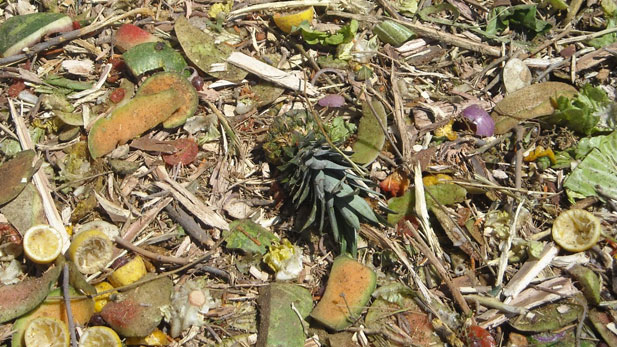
[154, 256]
[67, 303]
[423, 247]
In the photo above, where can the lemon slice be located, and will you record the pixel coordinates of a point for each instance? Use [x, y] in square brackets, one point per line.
[90, 250]
[49, 332]
[42, 244]
[576, 230]
[128, 273]
[99, 336]
[287, 21]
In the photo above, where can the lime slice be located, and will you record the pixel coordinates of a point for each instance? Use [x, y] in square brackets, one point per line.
[98, 336]
[49, 332]
[576, 230]
[42, 244]
[90, 250]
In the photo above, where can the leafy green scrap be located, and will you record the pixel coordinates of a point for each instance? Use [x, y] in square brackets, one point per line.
[590, 111]
[313, 37]
[597, 169]
[249, 236]
[519, 17]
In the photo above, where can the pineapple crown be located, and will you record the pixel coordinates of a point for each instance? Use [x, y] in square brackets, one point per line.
[315, 174]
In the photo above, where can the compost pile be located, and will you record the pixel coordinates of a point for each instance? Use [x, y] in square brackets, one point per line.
[308, 173]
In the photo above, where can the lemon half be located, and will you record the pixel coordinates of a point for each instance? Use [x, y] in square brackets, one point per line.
[91, 250]
[576, 230]
[99, 336]
[42, 244]
[49, 332]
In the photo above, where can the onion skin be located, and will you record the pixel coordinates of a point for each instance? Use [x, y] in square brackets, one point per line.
[485, 125]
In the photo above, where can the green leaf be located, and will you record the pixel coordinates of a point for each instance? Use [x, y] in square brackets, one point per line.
[244, 233]
[313, 37]
[588, 112]
[519, 17]
[58, 81]
[371, 137]
[598, 169]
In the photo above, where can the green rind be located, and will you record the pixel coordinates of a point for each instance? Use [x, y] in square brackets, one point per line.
[153, 56]
[157, 83]
[140, 114]
[393, 33]
[351, 279]
[371, 137]
[22, 31]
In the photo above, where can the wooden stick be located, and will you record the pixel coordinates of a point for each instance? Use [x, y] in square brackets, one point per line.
[157, 257]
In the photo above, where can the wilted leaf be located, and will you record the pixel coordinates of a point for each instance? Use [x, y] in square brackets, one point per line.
[137, 312]
[371, 137]
[17, 299]
[445, 194]
[279, 324]
[15, 174]
[26, 210]
[152, 56]
[549, 317]
[600, 321]
[528, 103]
[200, 48]
[249, 236]
[589, 283]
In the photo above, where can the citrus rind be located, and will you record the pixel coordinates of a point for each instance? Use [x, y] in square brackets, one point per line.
[576, 230]
[42, 244]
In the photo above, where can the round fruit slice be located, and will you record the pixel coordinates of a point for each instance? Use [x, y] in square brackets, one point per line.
[576, 230]
[48, 332]
[91, 250]
[99, 336]
[287, 21]
[42, 244]
[171, 80]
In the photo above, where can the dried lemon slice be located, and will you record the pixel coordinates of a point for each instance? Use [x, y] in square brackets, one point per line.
[44, 331]
[90, 250]
[576, 230]
[287, 21]
[99, 336]
[42, 244]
